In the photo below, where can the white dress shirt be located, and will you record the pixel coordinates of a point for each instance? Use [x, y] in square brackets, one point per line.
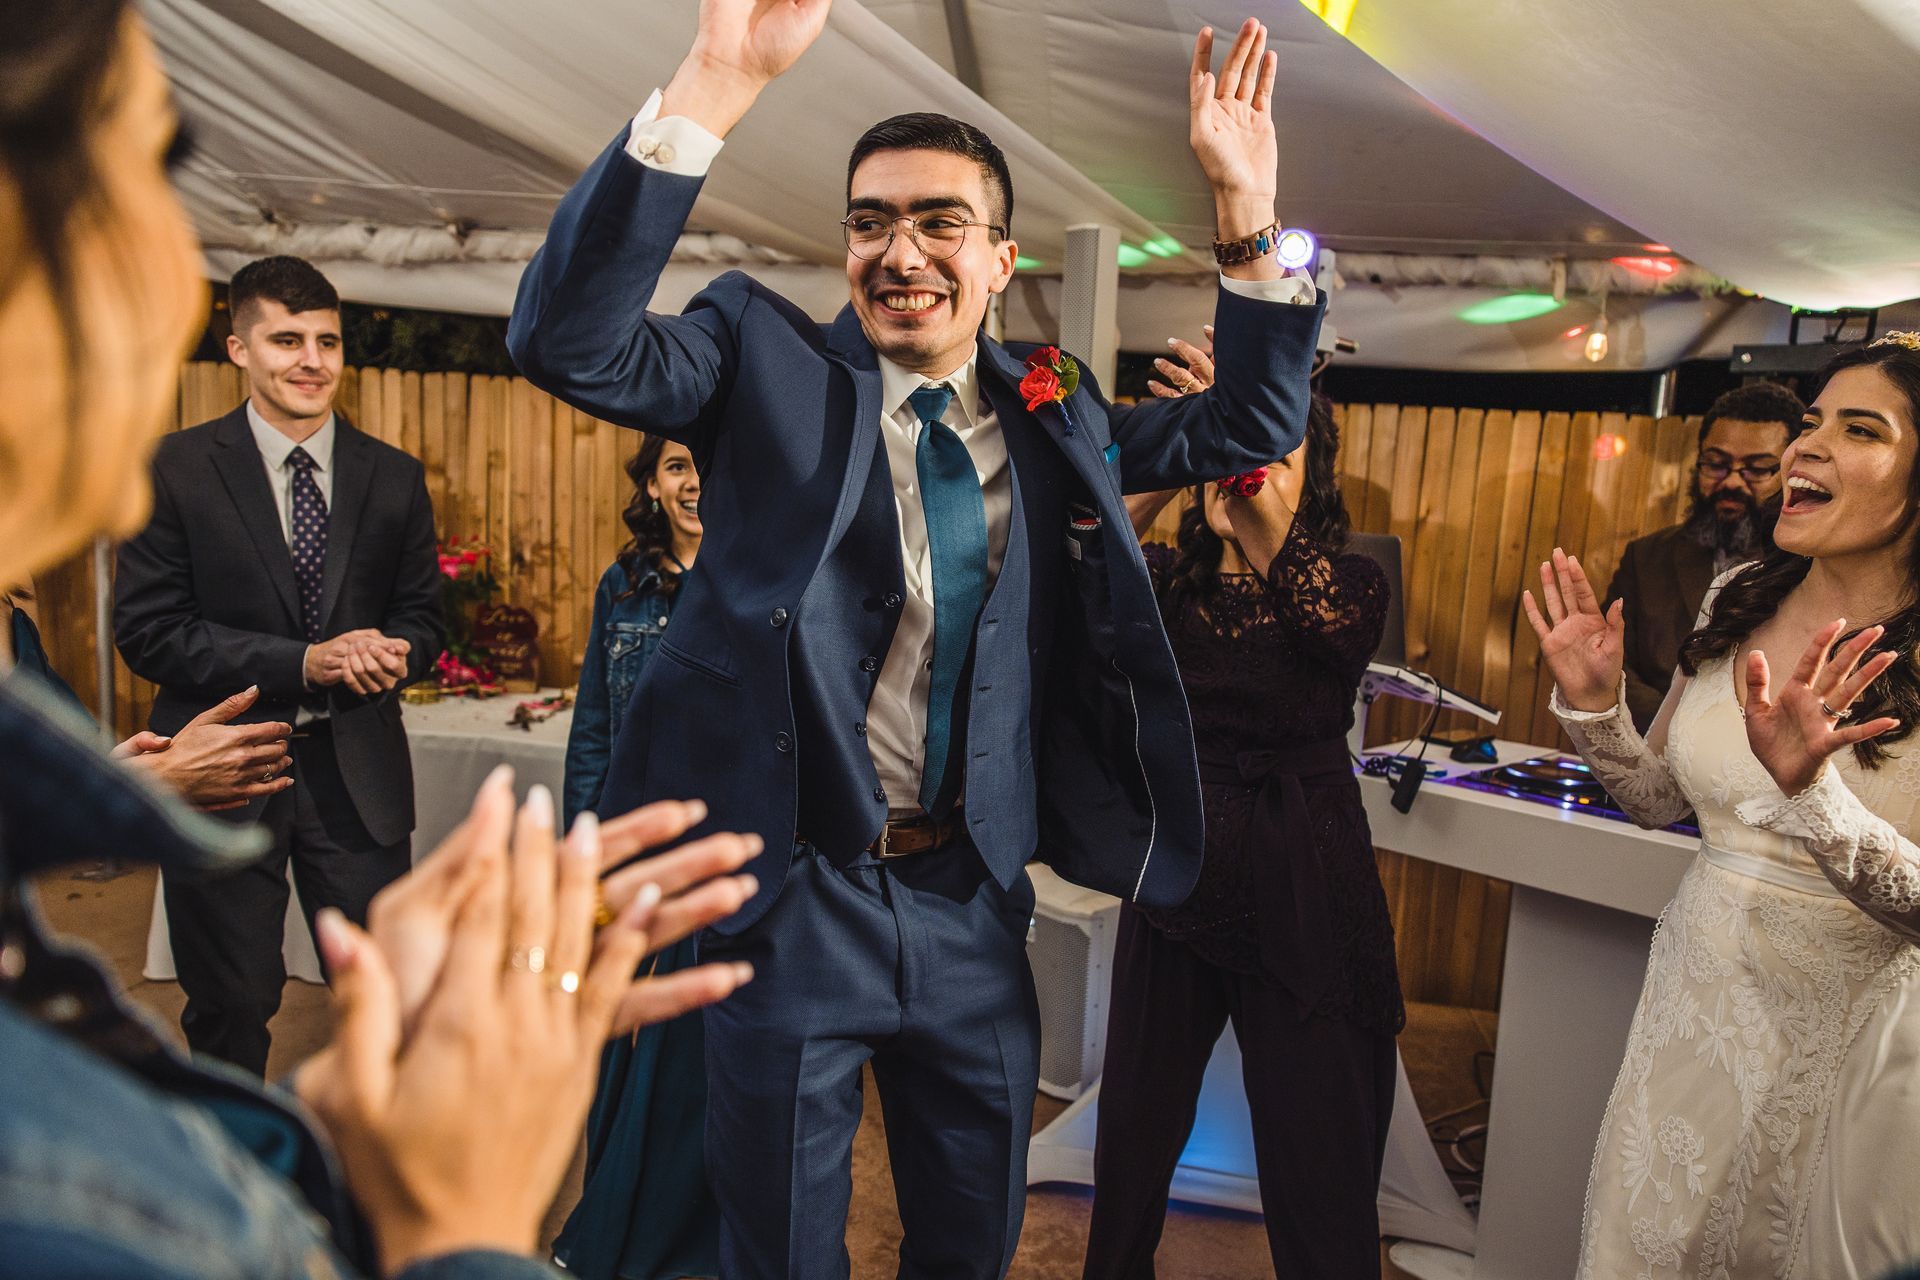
[897, 712]
[275, 449]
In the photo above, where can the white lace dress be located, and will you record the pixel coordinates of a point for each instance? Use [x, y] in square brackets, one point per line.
[1766, 1120]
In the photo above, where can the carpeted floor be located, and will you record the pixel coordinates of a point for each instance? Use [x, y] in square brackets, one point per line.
[1439, 1047]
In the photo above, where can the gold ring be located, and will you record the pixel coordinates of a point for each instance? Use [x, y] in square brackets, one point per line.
[566, 983]
[527, 959]
[602, 913]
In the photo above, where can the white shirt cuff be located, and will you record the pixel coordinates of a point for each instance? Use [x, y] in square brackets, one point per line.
[1296, 287]
[673, 145]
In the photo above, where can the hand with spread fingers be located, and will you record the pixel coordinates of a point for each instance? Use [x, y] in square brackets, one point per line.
[1584, 646]
[1230, 127]
[471, 1020]
[1792, 734]
[1193, 373]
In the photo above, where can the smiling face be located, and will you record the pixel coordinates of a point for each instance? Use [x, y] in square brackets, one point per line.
[920, 311]
[1849, 473]
[675, 485]
[1732, 443]
[293, 361]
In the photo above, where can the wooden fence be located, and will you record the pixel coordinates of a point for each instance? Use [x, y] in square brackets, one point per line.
[1477, 498]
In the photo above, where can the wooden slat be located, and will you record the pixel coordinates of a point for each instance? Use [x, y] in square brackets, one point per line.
[1356, 450]
[1381, 459]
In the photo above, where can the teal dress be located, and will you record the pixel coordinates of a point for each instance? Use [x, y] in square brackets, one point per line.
[646, 1211]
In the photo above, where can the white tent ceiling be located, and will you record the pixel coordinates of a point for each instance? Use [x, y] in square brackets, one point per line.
[416, 147]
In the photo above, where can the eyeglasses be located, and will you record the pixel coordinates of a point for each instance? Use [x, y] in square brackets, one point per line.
[1752, 474]
[937, 235]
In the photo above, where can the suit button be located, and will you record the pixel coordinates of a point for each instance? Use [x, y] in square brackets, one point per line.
[893, 600]
[869, 663]
[778, 617]
[860, 729]
[880, 794]
[782, 742]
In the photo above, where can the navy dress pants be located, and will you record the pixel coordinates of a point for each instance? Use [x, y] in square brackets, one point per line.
[918, 966]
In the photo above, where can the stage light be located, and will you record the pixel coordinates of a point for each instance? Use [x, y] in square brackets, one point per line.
[1337, 14]
[1509, 308]
[1024, 263]
[1659, 268]
[1164, 247]
[1130, 255]
[1595, 348]
[1297, 248]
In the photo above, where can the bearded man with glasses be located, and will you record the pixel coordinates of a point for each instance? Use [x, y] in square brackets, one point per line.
[921, 647]
[1664, 576]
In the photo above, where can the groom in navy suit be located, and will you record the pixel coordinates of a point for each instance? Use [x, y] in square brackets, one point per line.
[920, 647]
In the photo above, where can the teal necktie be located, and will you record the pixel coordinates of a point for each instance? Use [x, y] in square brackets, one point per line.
[957, 545]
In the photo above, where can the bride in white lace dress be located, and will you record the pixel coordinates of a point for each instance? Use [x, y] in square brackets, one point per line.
[1766, 1119]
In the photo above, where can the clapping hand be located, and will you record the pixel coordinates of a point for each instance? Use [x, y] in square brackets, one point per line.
[1793, 736]
[1584, 646]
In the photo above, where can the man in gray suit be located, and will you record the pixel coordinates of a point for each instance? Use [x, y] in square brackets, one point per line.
[288, 552]
[1664, 576]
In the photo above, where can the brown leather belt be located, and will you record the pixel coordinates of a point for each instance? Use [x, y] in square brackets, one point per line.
[917, 835]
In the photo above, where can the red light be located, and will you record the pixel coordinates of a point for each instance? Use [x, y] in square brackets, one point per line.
[1656, 248]
[1609, 446]
[1661, 267]
[1575, 332]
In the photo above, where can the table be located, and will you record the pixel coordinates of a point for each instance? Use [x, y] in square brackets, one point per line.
[454, 744]
[1586, 892]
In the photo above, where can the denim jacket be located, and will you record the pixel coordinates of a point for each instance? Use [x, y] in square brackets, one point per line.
[623, 637]
[118, 1156]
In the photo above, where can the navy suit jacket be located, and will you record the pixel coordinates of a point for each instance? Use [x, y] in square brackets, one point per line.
[1079, 749]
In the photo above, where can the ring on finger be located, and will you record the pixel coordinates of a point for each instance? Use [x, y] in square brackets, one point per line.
[1830, 713]
[602, 913]
[527, 960]
[566, 982]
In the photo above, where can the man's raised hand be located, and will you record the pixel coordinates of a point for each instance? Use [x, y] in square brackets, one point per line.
[742, 46]
[1230, 126]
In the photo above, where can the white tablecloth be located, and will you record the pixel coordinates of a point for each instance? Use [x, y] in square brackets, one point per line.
[454, 744]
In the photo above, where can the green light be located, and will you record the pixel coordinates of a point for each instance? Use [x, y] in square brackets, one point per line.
[1512, 307]
[1023, 263]
[1164, 247]
[1132, 256]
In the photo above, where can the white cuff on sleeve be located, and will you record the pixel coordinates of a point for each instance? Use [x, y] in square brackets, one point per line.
[673, 145]
[1294, 287]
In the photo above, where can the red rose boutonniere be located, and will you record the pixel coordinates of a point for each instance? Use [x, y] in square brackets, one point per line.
[1051, 378]
[1245, 485]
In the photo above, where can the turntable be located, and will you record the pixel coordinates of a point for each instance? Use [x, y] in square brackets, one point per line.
[1564, 781]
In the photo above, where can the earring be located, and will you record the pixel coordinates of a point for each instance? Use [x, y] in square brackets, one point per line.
[656, 506]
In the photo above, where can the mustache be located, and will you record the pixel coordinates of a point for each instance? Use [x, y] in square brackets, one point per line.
[889, 280]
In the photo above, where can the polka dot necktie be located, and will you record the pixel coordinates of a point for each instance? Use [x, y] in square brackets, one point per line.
[309, 539]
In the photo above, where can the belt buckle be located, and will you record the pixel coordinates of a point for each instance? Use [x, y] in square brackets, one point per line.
[886, 842]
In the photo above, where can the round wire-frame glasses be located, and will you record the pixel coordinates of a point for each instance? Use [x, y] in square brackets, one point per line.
[939, 234]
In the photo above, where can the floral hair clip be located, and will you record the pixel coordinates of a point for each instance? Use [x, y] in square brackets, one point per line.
[1908, 338]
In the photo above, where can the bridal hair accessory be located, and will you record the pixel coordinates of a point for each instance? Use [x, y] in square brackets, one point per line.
[1908, 338]
[1052, 376]
[1245, 485]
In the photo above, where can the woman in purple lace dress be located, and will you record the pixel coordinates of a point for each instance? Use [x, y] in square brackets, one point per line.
[1287, 934]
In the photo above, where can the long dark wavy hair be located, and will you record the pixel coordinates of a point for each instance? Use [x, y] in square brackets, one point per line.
[652, 535]
[1754, 595]
[1322, 514]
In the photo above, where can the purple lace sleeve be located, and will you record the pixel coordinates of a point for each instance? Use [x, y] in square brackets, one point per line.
[1335, 605]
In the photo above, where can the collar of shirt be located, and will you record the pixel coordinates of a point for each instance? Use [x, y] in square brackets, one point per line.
[275, 446]
[896, 384]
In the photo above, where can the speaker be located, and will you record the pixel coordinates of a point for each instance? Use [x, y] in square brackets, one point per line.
[1070, 947]
[1090, 299]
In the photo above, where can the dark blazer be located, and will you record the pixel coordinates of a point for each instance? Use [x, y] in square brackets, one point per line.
[205, 601]
[1663, 577]
[1079, 749]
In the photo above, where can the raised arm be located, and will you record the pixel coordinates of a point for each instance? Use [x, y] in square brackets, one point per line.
[580, 328]
[1582, 646]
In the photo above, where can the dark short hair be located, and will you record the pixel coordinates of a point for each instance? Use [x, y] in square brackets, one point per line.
[930, 131]
[1756, 402]
[294, 283]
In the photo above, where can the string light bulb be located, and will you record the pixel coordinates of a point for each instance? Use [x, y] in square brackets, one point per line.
[1597, 343]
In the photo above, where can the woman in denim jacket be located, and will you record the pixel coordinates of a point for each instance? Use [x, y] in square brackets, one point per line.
[645, 1211]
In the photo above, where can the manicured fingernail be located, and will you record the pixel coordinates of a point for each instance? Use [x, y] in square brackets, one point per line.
[585, 840]
[335, 939]
[540, 805]
[502, 776]
[742, 973]
[641, 908]
[1174, 343]
[696, 810]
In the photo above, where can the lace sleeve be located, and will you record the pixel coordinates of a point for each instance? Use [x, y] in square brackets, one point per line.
[1336, 606]
[1863, 854]
[1160, 559]
[1631, 771]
